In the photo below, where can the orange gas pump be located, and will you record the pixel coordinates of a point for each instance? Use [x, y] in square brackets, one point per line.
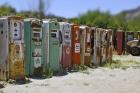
[75, 44]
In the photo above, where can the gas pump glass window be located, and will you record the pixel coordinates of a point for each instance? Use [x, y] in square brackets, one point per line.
[37, 35]
[67, 35]
[15, 24]
[67, 38]
[76, 35]
[16, 27]
[53, 33]
[88, 38]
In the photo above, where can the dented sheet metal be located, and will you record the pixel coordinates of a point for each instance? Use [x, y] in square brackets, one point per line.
[12, 46]
[102, 46]
[85, 41]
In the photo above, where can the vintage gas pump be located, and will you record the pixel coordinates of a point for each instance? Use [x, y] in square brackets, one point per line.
[65, 60]
[75, 44]
[85, 36]
[120, 42]
[53, 44]
[97, 47]
[33, 47]
[11, 48]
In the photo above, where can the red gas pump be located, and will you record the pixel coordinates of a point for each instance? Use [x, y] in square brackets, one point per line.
[120, 42]
[75, 44]
[66, 45]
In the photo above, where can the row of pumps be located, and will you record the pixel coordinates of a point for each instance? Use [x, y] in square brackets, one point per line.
[28, 47]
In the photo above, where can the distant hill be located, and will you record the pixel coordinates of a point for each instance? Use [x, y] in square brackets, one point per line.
[132, 14]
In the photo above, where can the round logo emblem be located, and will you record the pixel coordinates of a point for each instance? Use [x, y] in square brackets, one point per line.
[68, 50]
[88, 49]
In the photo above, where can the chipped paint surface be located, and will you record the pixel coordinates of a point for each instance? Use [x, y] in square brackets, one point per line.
[110, 50]
[85, 41]
[4, 52]
[12, 62]
[102, 45]
[16, 61]
[97, 46]
[65, 59]
[75, 44]
[34, 58]
[16, 49]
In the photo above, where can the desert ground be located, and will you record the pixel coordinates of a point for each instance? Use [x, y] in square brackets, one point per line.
[98, 80]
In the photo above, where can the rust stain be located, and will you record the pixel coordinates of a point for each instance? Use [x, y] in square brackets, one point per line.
[16, 62]
[103, 46]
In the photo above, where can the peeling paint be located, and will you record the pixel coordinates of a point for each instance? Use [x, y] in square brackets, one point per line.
[12, 50]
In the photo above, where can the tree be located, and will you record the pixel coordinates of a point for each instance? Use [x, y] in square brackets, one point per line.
[106, 20]
[7, 10]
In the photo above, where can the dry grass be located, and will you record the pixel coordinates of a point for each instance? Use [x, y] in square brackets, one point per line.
[121, 64]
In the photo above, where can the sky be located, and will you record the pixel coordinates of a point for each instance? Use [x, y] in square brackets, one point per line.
[72, 8]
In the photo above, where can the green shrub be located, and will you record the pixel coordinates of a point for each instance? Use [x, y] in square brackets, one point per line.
[49, 73]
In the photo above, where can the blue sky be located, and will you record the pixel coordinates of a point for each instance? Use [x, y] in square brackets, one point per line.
[72, 8]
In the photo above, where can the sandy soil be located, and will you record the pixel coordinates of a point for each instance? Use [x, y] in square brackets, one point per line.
[100, 80]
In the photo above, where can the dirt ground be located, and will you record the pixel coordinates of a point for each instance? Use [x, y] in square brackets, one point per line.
[99, 80]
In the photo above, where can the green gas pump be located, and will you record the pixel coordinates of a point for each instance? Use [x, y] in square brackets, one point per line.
[33, 47]
[53, 43]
